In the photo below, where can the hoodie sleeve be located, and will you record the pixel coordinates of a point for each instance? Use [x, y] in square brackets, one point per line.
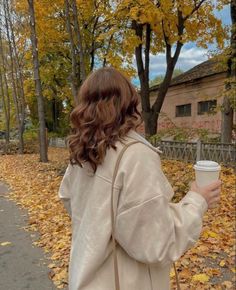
[149, 227]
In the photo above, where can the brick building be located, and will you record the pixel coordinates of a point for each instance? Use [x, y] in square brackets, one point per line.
[193, 97]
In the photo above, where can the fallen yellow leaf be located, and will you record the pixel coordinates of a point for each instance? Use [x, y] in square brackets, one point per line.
[222, 263]
[233, 270]
[213, 256]
[5, 244]
[201, 278]
[210, 234]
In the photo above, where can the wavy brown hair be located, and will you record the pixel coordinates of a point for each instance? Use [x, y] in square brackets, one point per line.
[106, 112]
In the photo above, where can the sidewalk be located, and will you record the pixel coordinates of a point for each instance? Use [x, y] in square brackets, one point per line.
[22, 266]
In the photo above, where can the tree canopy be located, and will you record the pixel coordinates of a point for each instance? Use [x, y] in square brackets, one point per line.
[76, 36]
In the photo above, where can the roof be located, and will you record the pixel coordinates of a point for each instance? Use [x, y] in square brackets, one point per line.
[204, 69]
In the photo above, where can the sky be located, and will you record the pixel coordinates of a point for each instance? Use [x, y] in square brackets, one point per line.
[190, 55]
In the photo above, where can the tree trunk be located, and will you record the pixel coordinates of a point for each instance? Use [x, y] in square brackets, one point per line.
[107, 51]
[143, 73]
[38, 87]
[93, 46]
[227, 109]
[227, 121]
[13, 78]
[79, 41]
[54, 115]
[5, 94]
[150, 123]
[73, 77]
[141, 69]
[162, 91]
[92, 55]
[19, 79]
[152, 113]
[6, 114]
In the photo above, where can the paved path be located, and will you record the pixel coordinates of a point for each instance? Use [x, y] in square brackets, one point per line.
[22, 266]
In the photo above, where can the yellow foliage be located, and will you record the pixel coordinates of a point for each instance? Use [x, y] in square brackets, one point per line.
[211, 234]
[106, 28]
[201, 26]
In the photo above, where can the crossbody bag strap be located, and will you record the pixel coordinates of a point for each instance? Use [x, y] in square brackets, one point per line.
[113, 206]
[117, 282]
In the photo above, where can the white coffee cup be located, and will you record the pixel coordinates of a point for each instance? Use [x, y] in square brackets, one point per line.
[206, 172]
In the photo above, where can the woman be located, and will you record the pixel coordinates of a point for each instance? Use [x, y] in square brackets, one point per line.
[150, 231]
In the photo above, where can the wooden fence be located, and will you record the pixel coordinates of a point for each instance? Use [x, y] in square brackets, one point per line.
[185, 151]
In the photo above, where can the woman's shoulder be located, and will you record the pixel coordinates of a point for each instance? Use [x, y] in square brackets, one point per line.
[140, 155]
[139, 152]
[138, 145]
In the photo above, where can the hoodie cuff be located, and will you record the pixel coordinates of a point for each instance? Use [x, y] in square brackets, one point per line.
[197, 200]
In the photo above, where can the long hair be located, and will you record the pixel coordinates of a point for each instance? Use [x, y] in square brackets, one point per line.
[106, 112]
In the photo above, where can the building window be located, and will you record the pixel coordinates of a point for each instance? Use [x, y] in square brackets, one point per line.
[206, 107]
[183, 110]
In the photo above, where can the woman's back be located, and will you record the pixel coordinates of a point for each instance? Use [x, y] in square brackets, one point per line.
[142, 263]
[149, 230]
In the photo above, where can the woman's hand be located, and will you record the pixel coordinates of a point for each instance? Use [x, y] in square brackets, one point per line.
[211, 192]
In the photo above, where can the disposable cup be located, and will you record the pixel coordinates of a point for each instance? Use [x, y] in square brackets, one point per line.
[206, 172]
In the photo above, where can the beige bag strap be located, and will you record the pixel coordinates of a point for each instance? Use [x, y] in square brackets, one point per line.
[117, 282]
[116, 270]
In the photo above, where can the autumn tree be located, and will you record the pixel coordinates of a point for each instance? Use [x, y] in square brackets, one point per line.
[11, 76]
[75, 37]
[54, 60]
[15, 71]
[96, 46]
[165, 26]
[93, 36]
[230, 87]
[38, 87]
[4, 91]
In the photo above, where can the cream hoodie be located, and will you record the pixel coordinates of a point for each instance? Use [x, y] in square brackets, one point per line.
[151, 231]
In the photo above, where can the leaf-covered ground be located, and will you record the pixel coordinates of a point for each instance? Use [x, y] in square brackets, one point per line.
[209, 265]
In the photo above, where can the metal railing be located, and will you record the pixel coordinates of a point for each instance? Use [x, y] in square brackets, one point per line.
[192, 151]
[57, 142]
[185, 151]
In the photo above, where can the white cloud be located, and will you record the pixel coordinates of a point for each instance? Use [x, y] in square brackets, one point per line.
[189, 57]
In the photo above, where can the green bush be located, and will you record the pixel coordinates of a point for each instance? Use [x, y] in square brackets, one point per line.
[31, 135]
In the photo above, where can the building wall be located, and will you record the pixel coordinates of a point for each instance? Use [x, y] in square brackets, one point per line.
[208, 88]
